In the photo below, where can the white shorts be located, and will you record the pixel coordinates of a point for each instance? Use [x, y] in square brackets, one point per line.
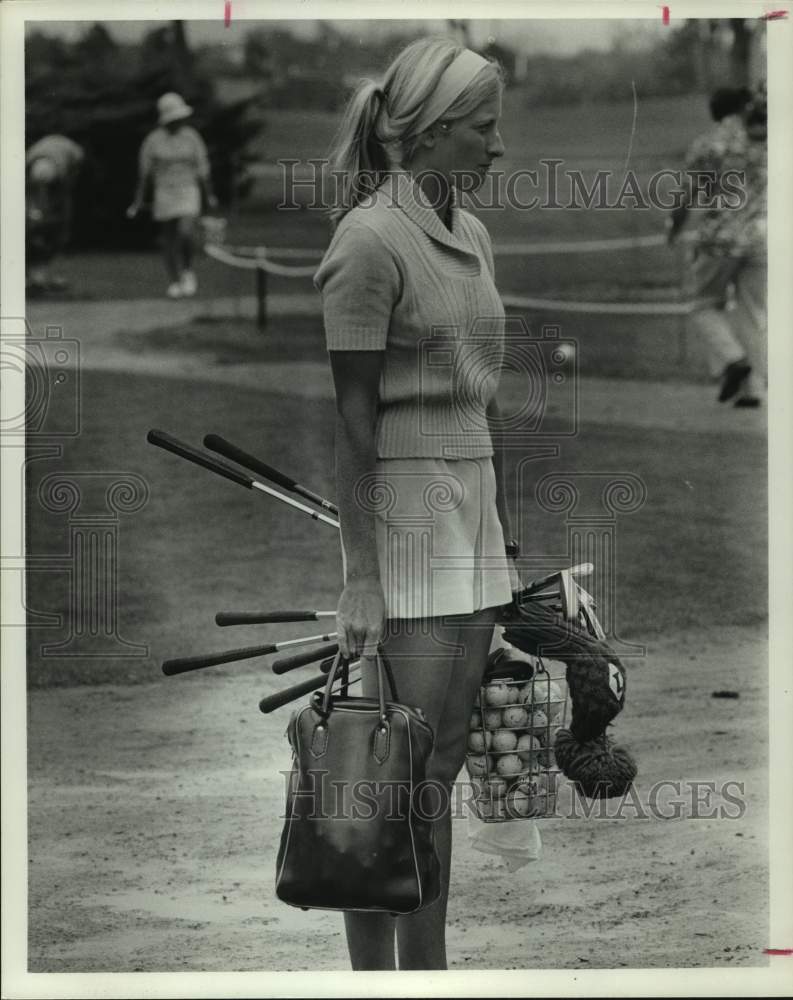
[440, 544]
[173, 201]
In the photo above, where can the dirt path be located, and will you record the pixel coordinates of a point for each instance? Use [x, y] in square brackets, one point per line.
[154, 820]
[154, 810]
[107, 334]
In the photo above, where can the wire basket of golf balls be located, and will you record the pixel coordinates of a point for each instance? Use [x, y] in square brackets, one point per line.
[510, 758]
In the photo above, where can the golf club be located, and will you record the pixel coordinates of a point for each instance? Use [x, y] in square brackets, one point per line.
[163, 440]
[273, 701]
[301, 659]
[224, 618]
[187, 663]
[216, 443]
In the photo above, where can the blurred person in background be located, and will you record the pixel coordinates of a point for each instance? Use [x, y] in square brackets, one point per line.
[727, 259]
[51, 168]
[173, 160]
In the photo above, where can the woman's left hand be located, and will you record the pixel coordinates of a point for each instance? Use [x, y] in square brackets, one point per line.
[212, 202]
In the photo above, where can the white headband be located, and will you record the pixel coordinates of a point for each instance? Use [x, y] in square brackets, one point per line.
[452, 83]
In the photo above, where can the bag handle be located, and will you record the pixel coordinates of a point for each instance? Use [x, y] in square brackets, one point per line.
[340, 667]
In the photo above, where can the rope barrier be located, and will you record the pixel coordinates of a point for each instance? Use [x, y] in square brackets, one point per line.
[607, 308]
[578, 246]
[258, 259]
[258, 263]
[247, 257]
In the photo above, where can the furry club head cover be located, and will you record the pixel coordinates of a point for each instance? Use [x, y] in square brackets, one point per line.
[585, 753]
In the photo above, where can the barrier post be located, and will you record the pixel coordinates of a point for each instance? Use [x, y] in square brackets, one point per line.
[261, 298]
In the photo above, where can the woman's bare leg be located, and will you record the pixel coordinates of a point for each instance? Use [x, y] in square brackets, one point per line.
[170, 247]
[421, 937]
[432, 675]
[186, 242]
[370, 941]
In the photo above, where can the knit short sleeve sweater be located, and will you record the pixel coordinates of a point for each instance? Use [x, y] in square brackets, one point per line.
[395, 279]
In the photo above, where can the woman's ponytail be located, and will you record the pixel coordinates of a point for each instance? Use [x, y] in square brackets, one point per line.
[379, 134]
[358, 158]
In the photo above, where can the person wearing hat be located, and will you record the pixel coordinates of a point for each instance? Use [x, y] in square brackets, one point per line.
[52, 165]
[173, 158]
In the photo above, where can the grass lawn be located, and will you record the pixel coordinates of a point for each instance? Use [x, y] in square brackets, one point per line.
[687, 559]
[587, 138]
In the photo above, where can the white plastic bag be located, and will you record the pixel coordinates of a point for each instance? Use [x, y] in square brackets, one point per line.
[516, 841]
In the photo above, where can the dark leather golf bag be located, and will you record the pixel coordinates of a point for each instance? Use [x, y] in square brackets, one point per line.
[358, 833]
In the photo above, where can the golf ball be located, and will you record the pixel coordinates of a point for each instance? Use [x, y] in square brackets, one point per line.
[493, 718]
[528, 748]
[476, 721]
[497, 694]
[515, 716]
[548, 695]
[479, 741]
[519, 803]
[478, 766]
[509, 764]
[513, 694]
[504, 739]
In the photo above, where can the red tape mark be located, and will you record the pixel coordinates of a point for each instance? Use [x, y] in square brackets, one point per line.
[778, 951]
[774, 15]
[665, 15]
[227, 13]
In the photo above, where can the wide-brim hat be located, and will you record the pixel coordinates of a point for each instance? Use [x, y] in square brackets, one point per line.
[43, 170]
[172, 108]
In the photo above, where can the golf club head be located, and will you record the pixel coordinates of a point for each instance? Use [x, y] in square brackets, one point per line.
[568, 591]
[586, 607]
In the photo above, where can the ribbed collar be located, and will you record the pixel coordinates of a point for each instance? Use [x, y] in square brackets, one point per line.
[406, 195]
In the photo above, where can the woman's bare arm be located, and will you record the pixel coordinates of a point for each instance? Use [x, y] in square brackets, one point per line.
[493, 414]
[502, 507]
[360, 616]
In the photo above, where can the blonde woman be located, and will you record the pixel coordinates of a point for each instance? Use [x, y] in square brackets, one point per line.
[419, 485]
[173, 159]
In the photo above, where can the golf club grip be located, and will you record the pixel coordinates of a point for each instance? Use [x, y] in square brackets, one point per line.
[265, 618]
[273, 701]
[216, 443]
[301, 659]
[186, 663]
[163, 440]
[223, 447]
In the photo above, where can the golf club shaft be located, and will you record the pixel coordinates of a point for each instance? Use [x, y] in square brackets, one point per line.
[223, 447]
[172, 444]
[295, 503]
[186, 663]
[301, 659]
[269, 617]
[274, 701]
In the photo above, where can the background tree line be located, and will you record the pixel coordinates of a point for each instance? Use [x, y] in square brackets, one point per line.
[102, 93]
